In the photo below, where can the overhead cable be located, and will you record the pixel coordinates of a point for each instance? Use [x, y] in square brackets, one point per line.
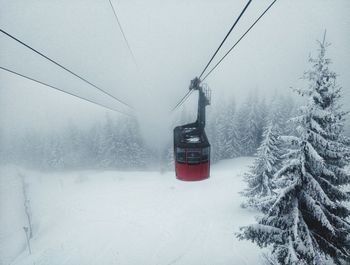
[245, 33]
[61, 90]
[122, 31]
[228, 33]
[217, 50]
[63, 67]
[183, 99]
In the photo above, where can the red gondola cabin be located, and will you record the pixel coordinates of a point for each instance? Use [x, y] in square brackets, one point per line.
[191, 145]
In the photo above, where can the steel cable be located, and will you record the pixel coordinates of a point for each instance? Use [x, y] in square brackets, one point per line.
[256, 21]
[61, 90]
[223, 41]
[63, 67]
[122, 31]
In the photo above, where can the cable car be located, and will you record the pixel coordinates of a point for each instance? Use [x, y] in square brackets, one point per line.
[191, 145]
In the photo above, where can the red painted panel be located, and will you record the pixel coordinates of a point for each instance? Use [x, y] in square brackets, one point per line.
[194, 172]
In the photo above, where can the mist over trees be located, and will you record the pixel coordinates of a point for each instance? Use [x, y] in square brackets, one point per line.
[111, 143]
[238, 130]
[233, 130]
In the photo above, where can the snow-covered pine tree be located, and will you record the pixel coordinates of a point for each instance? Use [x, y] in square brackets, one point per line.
[289, 110]
[260, 184]
[125, 142]
[248, 125]
[54, 152]
[109, 149]
[233, 148]
[119, 144]
[281, 109]
[134, 153]
[307, 222]
[276, 113]
[167, 157]
[74, 147]
[219, 140]
[263, 115]
[94, 139]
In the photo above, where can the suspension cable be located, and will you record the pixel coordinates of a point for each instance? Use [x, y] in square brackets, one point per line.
[123, 33]
[245, 33]
[228, 33]
[61, 90]
[64, 68]
[211, 59]
[183, 100]
[217, 64]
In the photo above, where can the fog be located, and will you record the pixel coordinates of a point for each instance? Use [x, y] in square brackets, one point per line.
[172, 41]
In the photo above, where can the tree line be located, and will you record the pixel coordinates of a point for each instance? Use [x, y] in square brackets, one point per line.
[117, 143]
[109, 144]
[237, 131]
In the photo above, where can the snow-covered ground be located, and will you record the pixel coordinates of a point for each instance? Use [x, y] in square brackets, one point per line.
[126, 218]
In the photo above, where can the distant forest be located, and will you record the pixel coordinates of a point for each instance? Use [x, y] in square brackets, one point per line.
[236, 129]
[116, 143]
[113, 143]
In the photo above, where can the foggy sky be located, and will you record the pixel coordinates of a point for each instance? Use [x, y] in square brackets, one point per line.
[172, 41]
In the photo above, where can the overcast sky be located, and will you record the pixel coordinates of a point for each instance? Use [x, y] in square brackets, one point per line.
[172, 41]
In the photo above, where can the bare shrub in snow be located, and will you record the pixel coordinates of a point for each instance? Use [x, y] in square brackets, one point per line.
[27, 208]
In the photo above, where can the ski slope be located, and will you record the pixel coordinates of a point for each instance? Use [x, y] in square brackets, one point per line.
[129, 218]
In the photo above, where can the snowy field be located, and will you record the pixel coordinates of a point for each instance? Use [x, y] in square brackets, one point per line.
[115, 217]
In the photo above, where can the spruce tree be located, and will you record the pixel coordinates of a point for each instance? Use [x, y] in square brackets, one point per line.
[249, 125]
[279, 112]
[110, 148]
[75, 147]
[260, 177]
[54, 152]
[134, 153]
[307, 222]
[220, 141]
[233, 144]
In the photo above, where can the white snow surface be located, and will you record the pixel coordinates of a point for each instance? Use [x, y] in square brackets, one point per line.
[115, 217]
